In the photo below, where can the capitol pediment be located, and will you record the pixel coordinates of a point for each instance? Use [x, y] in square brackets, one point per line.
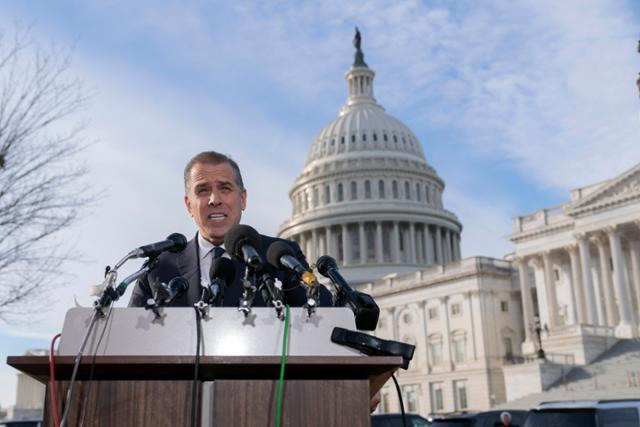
[618, 190]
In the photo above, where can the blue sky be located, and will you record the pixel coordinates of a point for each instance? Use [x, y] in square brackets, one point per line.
[515, 103]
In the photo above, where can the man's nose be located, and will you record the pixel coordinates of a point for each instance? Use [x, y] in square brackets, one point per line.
[214, 199]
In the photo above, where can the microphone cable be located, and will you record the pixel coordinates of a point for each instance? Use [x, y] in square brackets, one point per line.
[404, 415]
[76, 365]
[283, 359]
[93, 365]
[52, 383]
[194, 385]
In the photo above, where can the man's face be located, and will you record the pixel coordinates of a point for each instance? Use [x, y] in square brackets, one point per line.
[214, 199]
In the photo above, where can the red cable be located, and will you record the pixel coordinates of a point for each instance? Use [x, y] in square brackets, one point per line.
[52, 383]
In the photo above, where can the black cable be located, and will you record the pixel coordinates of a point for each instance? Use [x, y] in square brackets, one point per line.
[404, 415]
[194, 386]
[93, 365]
[76, 366]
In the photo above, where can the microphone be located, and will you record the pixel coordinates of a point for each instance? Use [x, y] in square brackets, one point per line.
[364, 307]
[282, 256]
[174, 242]
[165, 294]
[222, 274]
[241, 242]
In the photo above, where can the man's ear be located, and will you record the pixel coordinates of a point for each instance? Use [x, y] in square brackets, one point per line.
[244, 198]
[187, 203]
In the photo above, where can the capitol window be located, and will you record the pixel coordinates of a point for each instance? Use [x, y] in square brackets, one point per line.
[407, 190]
[342, 140]
[316, 198]
[426, 193]
[375, 137]
[340, 192]
[354, 190]
[364, 137]
[384, 136]
[327, 195]
[418, 197]
[433, 313]
[456, 309]
[367, 189]
[460, 388]
[353, 138]
[394, 189]
[458, 343]
[381, 189]
[395, 139]
[435, 350]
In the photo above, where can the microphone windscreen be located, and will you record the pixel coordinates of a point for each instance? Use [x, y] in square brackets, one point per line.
[179, 240]
[178, 285]
[223, 268]
[240, 235]
[326, 263]
[276, 250]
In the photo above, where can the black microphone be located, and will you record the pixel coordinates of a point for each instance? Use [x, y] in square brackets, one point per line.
[241, 242]
[282, 256]
[165, 294]
[364, 307]
[174, 242]
[222, 274]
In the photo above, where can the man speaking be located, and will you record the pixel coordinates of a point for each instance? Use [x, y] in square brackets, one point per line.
[215, 197]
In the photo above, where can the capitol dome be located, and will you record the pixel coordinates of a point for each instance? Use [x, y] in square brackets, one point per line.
[367, 195]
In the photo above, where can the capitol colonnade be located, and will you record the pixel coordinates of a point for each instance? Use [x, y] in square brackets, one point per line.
[597, 276]
[380, 242]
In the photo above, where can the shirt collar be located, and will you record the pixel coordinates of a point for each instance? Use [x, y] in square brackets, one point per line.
[205, 246]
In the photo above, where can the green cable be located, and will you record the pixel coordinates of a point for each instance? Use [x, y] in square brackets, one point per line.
[283, 359]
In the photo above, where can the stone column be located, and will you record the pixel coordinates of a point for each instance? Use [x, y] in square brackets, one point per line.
[626, 328]
[605, 280]
[395, 243]
[412, 244]
[472, 325]
[572, 315]
[425, 334]
[634, 252]
[313, 253]
[303, 243]
[576, 283]
[446, 333]
[587, 280]
[447, 245]
[328, 238]
[420, 259]
[428, 246]
[363, 243]
[438, 238]
[379, 253]
[346, 246]
[550, 288]
[525, 292]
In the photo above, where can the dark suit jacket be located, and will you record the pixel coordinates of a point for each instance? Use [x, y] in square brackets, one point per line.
[187, 265]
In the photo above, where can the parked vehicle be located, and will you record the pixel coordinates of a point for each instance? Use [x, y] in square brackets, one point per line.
[477, 419]
[586, 413]
[395, 420]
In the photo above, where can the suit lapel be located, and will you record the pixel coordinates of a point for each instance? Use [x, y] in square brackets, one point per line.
[189, 267]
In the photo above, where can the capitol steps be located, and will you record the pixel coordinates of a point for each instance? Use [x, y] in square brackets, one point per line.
[615, 374]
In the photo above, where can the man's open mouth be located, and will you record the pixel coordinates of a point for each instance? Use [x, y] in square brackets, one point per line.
[216, 216]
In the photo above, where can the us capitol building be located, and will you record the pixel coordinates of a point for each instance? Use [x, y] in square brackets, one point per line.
[368, 197]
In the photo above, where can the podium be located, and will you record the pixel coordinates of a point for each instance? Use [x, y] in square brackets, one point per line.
[138, 370]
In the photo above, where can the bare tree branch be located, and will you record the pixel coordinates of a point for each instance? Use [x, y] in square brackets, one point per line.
[41, 177]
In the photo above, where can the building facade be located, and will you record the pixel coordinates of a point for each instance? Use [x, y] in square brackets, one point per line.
[368, 197]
